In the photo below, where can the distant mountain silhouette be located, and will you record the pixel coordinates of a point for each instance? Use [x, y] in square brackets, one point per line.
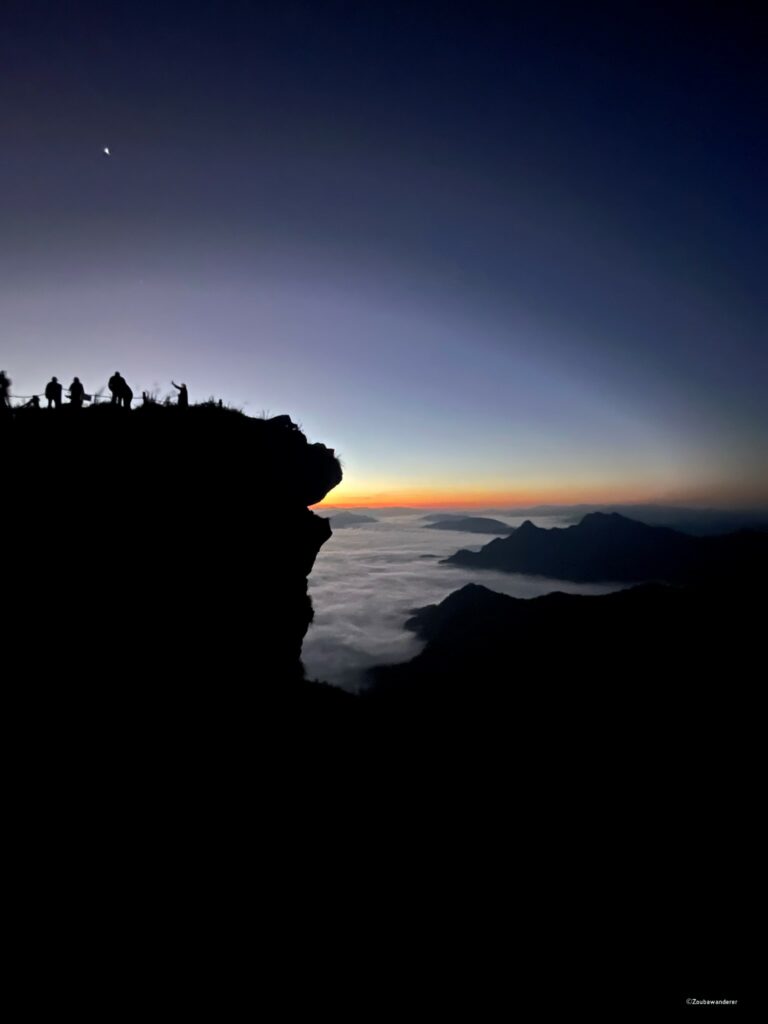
[471, 524]
[162, 544]
[701, 522]
[440, 517]
[342, 519]
[610, 547]
[382, 512]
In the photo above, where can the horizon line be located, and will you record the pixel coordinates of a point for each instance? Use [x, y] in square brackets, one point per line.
[701, 505]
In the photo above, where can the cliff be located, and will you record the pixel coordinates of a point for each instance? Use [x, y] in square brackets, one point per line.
[161, 547]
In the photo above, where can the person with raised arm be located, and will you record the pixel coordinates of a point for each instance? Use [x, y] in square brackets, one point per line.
[183, 402]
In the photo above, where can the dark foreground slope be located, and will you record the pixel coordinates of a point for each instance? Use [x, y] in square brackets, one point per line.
[609, 750]
[154, 605]
[160, 548]
[652, 649]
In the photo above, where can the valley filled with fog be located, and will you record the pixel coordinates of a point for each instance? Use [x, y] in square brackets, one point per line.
[369, 578]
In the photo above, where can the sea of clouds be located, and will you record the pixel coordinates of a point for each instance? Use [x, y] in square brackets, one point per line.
[368, 579]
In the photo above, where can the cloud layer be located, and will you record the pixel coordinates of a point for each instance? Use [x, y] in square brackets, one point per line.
[368, 579]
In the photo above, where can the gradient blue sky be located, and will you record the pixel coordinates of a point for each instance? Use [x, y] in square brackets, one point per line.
[484, 252]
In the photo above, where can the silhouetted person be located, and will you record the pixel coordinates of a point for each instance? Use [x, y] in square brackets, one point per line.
[121, 392]
[33, 403]
[53, 393]
[115, 385]
[76, 394]
[5, 390]
[183, 402]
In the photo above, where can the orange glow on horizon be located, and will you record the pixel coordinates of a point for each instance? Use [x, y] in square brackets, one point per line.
[418, 498]
[732, 496]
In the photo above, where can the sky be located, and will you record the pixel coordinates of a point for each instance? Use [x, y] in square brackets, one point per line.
[489, 252]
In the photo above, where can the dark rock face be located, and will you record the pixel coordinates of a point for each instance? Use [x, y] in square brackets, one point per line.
[167, 546]
[610, 547]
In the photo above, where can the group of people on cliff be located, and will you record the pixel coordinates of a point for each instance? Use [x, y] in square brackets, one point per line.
[122, 394]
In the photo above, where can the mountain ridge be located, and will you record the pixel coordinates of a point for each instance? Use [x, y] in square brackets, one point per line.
[609, 547]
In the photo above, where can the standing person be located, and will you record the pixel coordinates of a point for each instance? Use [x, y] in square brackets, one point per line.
[115, 385]
[53, 393]
[76, 394]
[5, 390]
[121, 392]
[183, 402]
